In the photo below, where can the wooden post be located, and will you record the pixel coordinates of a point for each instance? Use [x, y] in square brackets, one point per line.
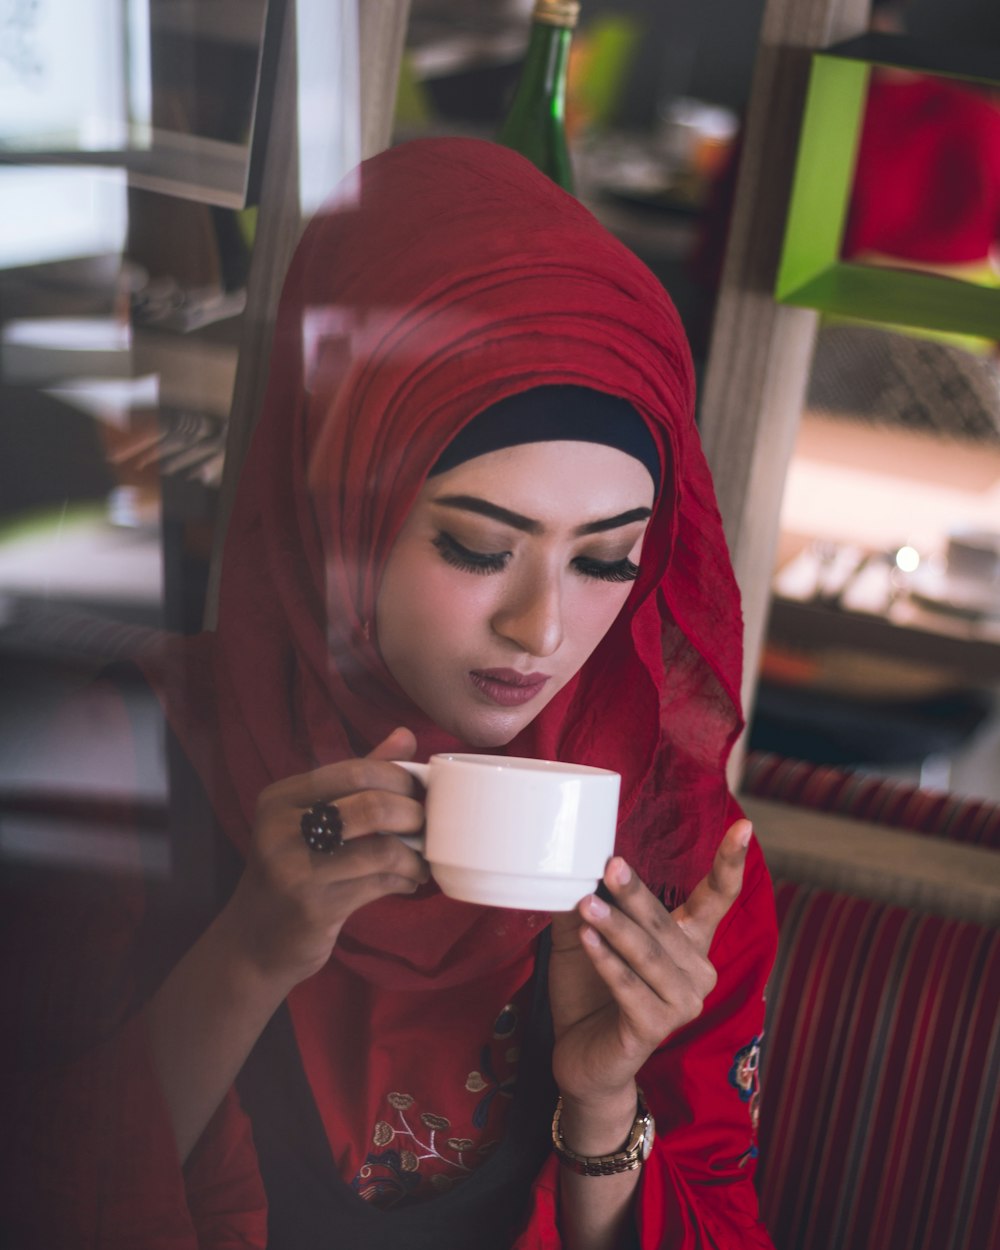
[278, 227]
[379, 35]
[382, 36]
[760, 351]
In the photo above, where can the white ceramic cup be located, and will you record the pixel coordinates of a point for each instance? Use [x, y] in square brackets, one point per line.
[510, 832]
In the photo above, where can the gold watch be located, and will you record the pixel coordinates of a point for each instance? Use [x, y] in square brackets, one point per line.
[635, 1152]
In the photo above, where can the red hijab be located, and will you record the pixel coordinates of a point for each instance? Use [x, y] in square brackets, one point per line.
[449, 274]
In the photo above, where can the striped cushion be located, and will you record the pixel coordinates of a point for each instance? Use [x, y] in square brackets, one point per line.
[880, 1118]
[880, 800]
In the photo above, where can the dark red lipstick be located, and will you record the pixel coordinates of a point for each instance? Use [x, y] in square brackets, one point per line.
[506, 686]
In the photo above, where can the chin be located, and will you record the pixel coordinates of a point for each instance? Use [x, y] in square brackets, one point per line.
[480, 737]
[479, 726]
[483, 733]
[490, 741]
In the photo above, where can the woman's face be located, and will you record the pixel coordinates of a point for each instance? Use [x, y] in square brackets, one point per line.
[507, 573]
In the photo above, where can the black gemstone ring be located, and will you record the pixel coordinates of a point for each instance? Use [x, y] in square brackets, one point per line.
[323, 828]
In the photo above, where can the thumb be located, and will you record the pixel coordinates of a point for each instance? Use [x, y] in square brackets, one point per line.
[565, 930]
[401, 744]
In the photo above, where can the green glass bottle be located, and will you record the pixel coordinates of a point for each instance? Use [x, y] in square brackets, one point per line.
[535, 125]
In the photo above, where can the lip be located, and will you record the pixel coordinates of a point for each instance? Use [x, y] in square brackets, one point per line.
[506, 686]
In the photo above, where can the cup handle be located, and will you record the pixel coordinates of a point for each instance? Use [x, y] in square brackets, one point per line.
[422, 772]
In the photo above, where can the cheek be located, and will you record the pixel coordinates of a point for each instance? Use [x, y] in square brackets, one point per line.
[425, 601]
[593, 614]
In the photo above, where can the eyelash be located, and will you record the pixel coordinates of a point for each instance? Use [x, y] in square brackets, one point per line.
[460, 557]
[620, 571]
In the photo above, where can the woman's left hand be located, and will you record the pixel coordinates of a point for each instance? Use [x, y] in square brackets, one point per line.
[623, 978]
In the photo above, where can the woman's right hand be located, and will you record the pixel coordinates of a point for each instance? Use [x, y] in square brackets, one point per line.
[291, 902]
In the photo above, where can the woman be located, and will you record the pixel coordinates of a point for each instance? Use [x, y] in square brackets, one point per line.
[475, 514]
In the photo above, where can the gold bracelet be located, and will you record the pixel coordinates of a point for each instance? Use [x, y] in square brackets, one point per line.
[635, 1152]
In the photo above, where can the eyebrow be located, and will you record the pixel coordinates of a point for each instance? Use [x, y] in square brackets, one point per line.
[483, 507]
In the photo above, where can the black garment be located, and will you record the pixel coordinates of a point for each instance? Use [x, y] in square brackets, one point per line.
[312, 1208]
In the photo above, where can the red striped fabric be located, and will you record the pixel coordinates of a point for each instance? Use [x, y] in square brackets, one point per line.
[898, 804]
[880, 1119]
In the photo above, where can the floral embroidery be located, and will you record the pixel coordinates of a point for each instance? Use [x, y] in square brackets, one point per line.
[503, 1028]
[397, 1178]
[411, 1149]
[505, 1023]
[744, 1076]
[391, 1174]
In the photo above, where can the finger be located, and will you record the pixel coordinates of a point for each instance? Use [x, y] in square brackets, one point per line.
[648, 1015]
[371, 816]
[367, 889]
[565, 930]
[653, 948]
[651, 922]
[378, 811]
[401, 744]
[372, 856]
[712, 897]
[332, 782]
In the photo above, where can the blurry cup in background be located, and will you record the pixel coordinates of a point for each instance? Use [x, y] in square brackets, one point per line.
[974, 554]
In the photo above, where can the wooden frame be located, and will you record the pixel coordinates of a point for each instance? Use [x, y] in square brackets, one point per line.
[758, 363]
[811, 272]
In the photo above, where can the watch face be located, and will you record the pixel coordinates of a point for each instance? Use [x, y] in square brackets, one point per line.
[647, 1138]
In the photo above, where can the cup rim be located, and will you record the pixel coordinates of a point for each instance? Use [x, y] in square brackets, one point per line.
[508, 763]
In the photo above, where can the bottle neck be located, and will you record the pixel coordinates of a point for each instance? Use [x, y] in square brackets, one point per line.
[557, 12]
[545, 65]
[535, 124]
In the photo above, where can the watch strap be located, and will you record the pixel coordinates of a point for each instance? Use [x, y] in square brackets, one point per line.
[629, 1158]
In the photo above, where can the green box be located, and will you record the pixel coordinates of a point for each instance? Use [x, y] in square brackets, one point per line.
[811, 272]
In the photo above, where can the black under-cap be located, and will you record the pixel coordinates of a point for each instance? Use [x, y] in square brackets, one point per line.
[555, 413]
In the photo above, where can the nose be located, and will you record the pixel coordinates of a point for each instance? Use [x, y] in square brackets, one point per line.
[531, 615]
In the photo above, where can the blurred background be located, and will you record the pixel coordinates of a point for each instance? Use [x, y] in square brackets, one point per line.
[134, 136]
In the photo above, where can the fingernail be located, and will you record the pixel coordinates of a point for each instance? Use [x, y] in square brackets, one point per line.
[746, 834]
[598, 908]
[621, 872]
[588, 936]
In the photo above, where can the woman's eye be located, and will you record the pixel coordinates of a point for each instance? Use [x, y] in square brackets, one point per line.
[459, 557]
[607, 570]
